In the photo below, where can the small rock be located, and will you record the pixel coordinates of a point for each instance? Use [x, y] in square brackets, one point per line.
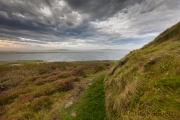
[73, 114]
[90, 84]
[69, 104]
[15, 64]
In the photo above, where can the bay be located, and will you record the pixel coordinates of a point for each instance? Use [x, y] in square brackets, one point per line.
[67, 55]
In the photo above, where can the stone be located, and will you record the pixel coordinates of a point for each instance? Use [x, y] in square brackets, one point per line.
[69, 104]
[90, 84]
[73, 114]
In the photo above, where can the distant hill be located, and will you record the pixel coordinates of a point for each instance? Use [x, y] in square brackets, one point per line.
[59, 50]
[145, 84]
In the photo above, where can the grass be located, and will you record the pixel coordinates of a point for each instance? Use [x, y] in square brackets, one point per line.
[91, 105]
[40, 90]
[18, 62]
[145, 83]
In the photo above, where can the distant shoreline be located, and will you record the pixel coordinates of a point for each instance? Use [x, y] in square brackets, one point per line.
[53, 51]
[22, 62]
[3, 53]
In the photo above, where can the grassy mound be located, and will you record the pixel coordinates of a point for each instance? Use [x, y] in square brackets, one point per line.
[145, 84]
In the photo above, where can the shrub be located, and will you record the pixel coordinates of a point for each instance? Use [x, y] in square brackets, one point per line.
[41, 103]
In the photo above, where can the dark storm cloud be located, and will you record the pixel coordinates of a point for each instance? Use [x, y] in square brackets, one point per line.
[107, 22]
[27, 15]
[100, 9]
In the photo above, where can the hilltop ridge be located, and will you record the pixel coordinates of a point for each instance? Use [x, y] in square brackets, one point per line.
[145, 84]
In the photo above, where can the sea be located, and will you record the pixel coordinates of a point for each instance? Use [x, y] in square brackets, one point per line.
[66, 55]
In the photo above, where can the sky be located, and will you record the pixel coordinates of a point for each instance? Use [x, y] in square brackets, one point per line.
[84, 24]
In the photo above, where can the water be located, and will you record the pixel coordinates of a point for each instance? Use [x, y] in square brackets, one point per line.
[68, 55]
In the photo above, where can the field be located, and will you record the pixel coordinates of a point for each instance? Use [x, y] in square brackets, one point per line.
[18, 62]
[41, 90]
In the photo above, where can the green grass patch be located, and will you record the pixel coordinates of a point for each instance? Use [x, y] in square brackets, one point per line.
[18, 62]
[169, 82]
[91, 105]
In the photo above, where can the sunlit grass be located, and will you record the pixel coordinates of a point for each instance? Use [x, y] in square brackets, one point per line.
[145, 83]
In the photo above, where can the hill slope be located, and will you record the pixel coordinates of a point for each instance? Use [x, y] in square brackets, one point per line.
[145, 84]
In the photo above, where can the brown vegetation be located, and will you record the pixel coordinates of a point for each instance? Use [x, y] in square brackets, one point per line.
[30, 90]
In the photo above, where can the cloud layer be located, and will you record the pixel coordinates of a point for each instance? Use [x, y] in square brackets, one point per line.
[84, 24]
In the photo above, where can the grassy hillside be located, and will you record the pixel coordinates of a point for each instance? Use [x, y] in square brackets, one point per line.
[42, 91]
[145, 84]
